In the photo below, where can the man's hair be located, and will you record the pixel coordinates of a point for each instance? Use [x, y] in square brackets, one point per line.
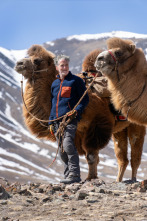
[61, 57]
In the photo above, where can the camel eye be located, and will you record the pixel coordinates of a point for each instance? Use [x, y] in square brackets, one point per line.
[118, 54]
[37, 61]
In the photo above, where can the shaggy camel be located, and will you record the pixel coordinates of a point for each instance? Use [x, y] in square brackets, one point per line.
[125, 67]
[123, 131]
[94, 129]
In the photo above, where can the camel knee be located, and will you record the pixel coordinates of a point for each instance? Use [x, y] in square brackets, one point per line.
[122, 158]
[123, 162]
[92, 158]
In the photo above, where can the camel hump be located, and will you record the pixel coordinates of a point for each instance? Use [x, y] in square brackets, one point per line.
[88, 63]
[36, 50]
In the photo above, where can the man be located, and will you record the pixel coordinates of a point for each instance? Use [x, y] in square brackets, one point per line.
[66, 91]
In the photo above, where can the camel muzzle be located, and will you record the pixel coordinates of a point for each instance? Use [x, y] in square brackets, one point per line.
[99, 63]
[19, 66]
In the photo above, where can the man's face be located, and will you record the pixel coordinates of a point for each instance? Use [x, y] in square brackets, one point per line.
[63, 67]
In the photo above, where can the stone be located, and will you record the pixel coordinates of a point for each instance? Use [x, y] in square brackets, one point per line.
[3, 193]
[80, 195]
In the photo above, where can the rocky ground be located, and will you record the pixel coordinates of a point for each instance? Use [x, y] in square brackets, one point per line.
[92, 200]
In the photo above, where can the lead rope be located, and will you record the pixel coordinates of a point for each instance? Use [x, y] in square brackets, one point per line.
[33, 116]
[129, 103]
[59, 118]
[64, 122]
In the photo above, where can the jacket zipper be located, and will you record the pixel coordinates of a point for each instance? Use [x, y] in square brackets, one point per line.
[69, 106]
[58, 99]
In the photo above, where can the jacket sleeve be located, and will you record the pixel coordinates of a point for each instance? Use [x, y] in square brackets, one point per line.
[80, 91]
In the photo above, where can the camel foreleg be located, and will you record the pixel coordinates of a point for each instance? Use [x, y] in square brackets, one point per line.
[136, 134]
[92, 160]
[120, 148]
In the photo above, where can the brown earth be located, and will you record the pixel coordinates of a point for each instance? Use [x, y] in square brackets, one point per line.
[93, 200]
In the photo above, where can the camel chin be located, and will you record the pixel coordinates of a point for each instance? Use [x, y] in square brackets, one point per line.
[19, 67]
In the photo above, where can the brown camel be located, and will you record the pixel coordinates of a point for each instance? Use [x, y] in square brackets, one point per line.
[94, 129]
[125, 67]
[123, 131]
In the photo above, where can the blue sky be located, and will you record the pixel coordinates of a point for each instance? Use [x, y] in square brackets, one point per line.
[27, 22]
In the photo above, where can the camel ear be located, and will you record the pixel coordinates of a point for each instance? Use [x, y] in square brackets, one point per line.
[132, 48]
[50, 60]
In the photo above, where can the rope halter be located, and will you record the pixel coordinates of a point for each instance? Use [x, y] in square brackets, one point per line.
[116, 64]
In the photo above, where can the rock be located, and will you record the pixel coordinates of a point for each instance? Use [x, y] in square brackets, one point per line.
[102, 191]
[3, 193]
[46, 199]
[80, 195]
[25, 192]
[144, 184]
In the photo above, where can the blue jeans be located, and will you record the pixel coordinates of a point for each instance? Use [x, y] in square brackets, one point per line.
[69, 155]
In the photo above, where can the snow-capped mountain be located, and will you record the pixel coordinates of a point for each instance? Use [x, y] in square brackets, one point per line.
[22, 156]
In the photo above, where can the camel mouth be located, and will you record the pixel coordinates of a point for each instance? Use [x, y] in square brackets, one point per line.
[19, 67]
[99, 65]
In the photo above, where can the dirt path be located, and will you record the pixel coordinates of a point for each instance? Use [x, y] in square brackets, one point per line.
[94, 200]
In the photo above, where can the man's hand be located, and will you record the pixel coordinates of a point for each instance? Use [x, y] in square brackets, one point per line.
[52, 129]
[72, 114]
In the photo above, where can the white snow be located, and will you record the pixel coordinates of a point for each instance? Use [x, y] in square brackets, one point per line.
[51, 43]
[21, 159]
[120, 34]
[109, 162]
[18, 54]
[13, 55]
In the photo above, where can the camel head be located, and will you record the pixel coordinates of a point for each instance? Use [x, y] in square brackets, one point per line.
[37, 64]
[116, 57]
[88, 63]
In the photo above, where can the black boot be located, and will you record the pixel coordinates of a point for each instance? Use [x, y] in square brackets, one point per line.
[71, 179]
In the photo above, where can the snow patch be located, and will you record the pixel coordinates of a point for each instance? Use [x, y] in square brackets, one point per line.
[13, 55]
[51, 43]
[120, 34]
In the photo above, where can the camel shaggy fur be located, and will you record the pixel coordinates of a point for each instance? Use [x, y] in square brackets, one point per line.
[123, 131]
[94, 129]
[125, 67]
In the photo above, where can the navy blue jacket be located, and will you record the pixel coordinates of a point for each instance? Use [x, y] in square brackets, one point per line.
[66, 94]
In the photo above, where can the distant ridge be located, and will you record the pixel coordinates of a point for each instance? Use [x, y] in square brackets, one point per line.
[120, 34]
[86, 37]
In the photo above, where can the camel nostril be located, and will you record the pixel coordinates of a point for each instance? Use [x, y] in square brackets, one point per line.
[100, 58]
